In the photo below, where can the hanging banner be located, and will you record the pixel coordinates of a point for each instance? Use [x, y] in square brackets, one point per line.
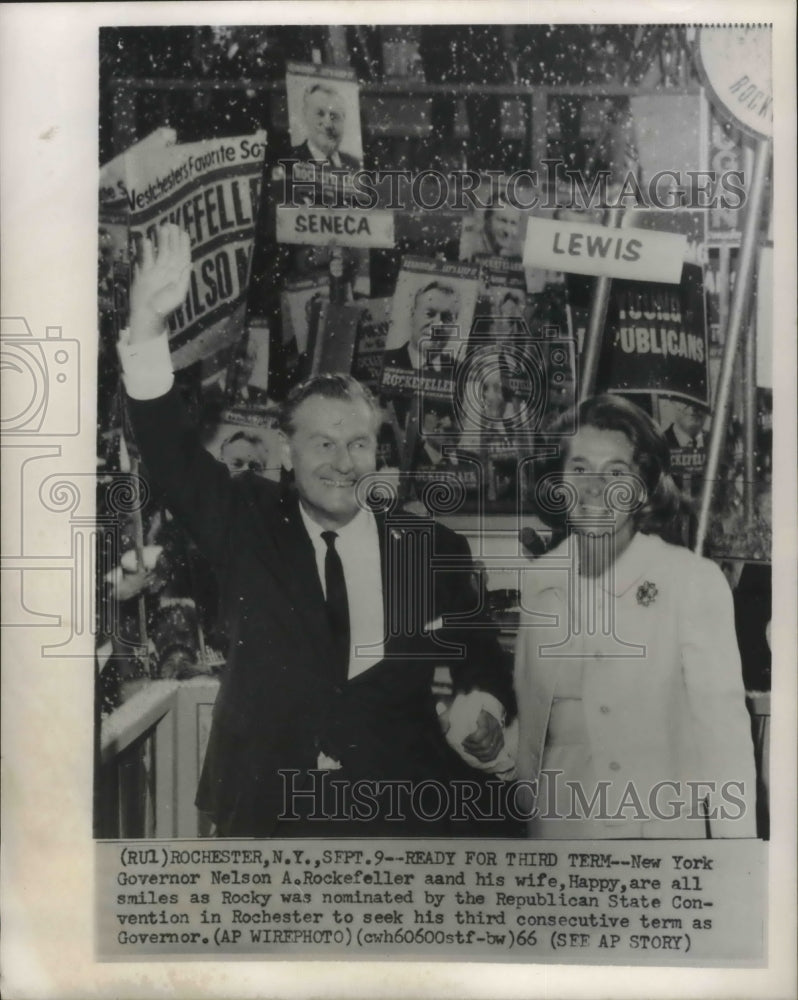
[657, 339]
[211, 189]
[585, 248]
[113, 185]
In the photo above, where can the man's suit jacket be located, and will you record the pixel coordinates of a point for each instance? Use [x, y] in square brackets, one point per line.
[280, 703]
[673, 442]
[303, 154]
[399, 357]
[662, 695]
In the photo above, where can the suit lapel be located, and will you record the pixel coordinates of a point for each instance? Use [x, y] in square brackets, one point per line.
[407, 546]
[297, 571]
[382, 529]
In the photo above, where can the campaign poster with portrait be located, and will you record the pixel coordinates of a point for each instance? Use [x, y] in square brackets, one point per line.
[324, 115]
[685, 426]
[297, 300]
[499, 230]
[433, 308]
[503, 293]
[247, 439]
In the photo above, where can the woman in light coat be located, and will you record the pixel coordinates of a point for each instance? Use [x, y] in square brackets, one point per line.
[632, 715]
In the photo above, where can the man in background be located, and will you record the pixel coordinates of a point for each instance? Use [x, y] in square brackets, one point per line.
[687, 429]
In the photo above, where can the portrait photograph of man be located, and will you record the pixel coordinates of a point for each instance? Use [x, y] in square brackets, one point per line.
[324, 120]
[431, 316]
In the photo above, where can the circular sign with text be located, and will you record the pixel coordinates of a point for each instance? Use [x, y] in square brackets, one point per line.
[736, 67]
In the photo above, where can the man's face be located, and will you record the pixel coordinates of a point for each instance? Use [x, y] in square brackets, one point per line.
[242, 455]
[432, 308]
[324, 119]
[511, 308]
[333, 444]
[690, 418]
[437, 427]
[503, 226]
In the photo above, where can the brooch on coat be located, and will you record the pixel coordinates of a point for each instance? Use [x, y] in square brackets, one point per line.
[647, 593]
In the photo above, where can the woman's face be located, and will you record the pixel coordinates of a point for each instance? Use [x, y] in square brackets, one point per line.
[602, 470]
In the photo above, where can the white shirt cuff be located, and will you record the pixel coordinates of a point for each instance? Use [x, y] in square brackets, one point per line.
[463, 715]
[146, 367]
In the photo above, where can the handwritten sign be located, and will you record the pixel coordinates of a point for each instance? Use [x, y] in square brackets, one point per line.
[585, 248]
[342, 227]
[211, 189]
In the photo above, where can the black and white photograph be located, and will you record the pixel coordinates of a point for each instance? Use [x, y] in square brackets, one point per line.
[324, 116]
[426, 595]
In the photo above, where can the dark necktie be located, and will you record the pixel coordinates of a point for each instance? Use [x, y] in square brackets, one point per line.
[337, 604]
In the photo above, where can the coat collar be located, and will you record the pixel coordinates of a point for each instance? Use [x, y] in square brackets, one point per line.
[638, 557]
[641, 555]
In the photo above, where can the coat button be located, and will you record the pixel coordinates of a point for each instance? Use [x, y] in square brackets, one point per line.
[605, 709]
[614, 765]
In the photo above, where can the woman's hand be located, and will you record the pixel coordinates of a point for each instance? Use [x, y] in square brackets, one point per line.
[487, 740]
[160, 282]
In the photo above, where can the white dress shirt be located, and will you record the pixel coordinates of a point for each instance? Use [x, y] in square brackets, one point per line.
[358, 546]
[146, 367]
[316, 154]
[685, 440]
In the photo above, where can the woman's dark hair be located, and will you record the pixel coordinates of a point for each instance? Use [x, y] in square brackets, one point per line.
[664, 510]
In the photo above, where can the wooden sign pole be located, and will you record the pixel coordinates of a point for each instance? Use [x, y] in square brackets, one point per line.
[598, 316]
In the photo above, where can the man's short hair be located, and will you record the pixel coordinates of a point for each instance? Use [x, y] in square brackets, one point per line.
[434, 286]
[513, 295]
[328, 386]
[324, 88]
[247, 436]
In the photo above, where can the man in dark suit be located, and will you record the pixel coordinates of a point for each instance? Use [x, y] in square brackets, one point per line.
[687, 429]
[324, 116]
[435, 304]
[337, 615]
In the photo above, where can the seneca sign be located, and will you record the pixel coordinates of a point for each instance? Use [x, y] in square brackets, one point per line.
[342, 227]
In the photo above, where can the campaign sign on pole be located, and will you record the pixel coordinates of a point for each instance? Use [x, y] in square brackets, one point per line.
[210, 189]
[586, 248]
[348, 227]
[656, 339]
[735, 63]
